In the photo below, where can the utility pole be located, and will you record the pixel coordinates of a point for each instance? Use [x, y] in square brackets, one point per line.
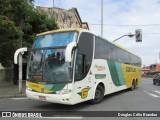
[52, 9]
[20, 63]
[20, 58]
[101, 17]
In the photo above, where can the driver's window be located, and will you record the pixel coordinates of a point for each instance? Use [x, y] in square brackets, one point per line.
[80, 67]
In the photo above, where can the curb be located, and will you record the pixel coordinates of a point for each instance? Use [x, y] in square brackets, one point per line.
[13, 96]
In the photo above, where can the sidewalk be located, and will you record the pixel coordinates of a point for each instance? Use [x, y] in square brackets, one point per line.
[8, 90]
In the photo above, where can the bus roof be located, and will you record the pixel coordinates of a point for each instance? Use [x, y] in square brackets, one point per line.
[60, 30]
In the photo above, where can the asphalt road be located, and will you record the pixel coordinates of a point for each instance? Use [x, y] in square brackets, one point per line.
[145, 97]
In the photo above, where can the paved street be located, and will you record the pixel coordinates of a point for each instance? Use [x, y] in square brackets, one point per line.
[145, 98]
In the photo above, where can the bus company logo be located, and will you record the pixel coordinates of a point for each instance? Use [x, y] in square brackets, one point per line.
[84, 93]
[100, 68]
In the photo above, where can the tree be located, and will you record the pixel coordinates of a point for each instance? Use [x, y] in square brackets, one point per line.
[8, 40]
[18, 18]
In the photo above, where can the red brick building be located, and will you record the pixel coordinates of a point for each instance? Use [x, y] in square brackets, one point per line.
[155, 67]
[152, 69]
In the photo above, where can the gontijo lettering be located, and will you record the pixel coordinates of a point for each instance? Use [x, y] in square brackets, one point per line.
[130, 69]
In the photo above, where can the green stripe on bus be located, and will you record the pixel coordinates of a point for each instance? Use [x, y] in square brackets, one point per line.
[54, 87]
[114, 74]
[120, 73]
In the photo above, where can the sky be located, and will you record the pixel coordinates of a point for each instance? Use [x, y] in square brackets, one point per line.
[121, 17]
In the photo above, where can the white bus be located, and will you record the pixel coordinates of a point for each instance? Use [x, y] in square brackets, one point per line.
[70, 66]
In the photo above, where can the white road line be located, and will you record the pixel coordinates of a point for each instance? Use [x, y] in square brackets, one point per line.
[153, 95]
[156, 91]
[20, 98]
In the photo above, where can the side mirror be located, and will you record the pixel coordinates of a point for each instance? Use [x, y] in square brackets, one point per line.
[19, 51]
[68, 52]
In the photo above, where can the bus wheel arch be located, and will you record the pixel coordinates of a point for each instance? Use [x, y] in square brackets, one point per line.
[98, 93]
[133, 85]
[136, 82]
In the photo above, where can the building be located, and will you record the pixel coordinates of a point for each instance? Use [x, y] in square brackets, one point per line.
[150, 70]
[64, 18]
[155, 67]
[145, 70]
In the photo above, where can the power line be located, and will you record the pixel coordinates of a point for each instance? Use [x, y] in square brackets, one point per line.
[150, 33]
[125, 25]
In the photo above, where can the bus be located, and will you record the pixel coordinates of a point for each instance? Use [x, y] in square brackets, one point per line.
[70, 66]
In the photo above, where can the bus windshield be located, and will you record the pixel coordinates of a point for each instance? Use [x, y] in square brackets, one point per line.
[55, 40]
[47, 60]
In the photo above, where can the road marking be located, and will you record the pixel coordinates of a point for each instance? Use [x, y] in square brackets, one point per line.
[153, 95]
[156, 91]
[20, 98]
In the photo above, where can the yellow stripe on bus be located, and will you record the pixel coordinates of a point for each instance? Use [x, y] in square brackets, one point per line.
[38, 87]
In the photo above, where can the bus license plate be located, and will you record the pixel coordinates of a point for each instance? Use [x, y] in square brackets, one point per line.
[42, 97]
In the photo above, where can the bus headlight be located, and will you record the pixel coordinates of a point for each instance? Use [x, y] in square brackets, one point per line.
[28, 88]
[64, 91]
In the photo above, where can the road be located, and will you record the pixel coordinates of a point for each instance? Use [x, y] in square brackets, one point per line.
[145, 97]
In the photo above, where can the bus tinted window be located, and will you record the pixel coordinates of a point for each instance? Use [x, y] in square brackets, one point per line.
[120, 55]
[108, 51]
[113, 53]
[85, 53]
[101, 49]
[56, 39]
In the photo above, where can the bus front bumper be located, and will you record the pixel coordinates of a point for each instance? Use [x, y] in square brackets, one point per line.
[55, 98]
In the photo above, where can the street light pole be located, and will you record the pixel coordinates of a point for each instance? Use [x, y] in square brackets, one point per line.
[52, 10]
[129, 35]
[101, 17]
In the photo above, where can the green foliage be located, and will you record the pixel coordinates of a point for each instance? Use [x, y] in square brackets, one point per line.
[8, 40]
[18, 18]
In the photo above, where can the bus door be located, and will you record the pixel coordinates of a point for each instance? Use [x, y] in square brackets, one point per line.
[83, 79]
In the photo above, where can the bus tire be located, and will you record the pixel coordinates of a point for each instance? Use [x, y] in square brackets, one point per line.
[99, 95]
[133, 85]
[154, 82]
[136, 82]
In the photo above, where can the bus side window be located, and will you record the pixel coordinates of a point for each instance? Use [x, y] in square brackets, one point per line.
[80, 67]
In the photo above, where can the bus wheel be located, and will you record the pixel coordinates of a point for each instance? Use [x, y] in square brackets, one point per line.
[136, 82]
[154, 82]
[133, 85]
[99, 95]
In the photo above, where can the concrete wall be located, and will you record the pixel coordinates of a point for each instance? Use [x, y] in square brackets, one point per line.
[6, 75]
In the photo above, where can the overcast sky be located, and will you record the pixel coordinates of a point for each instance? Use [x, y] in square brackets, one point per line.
[121, 17]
